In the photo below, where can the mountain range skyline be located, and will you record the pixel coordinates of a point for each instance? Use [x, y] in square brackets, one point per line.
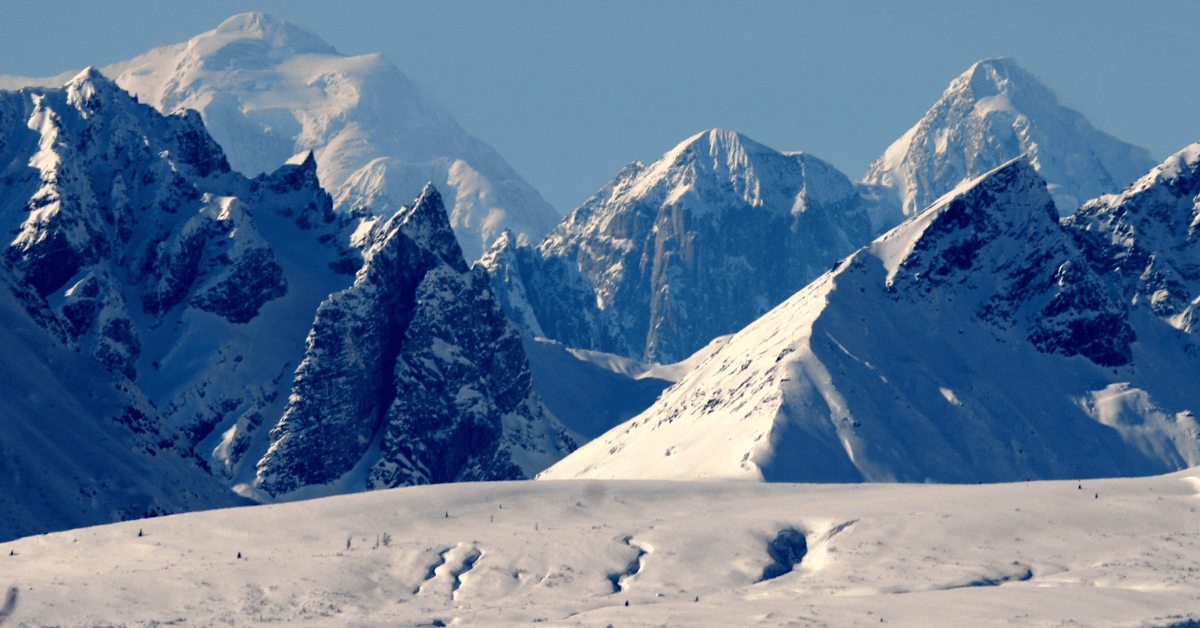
[738, 385]
[609, 95]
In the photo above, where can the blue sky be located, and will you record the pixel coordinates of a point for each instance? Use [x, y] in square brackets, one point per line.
[569, 92]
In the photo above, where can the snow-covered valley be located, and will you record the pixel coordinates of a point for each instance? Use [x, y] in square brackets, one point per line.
[1114, 552]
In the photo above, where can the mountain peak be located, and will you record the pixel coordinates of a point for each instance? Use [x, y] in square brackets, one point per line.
[704, 240]
[250, 21]
[990, 114]
[278, 35]
[278, 32]
[87, 75]
[703, 165]
[89, 85]
[426, 222]
[1002, 76]
[722, 145]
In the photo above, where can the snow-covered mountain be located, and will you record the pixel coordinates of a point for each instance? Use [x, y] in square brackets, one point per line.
[1149, 237]
[992, 113]
[268, 89]
[245, 308]
[78, 445]
[666, 257]
[434, 387]
[975, 342]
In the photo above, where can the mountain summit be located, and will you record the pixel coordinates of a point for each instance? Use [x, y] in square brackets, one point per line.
[666, 257]
[268, 89]
[992, 113]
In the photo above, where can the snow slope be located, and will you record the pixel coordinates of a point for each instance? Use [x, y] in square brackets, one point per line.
[1119, 553]
[78, 445]
[994, 112]
[268, 89]
[591, 391]
[975, 342]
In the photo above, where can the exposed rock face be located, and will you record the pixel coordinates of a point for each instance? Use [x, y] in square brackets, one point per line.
[416, 351]
[992, 113]
[1149, 237]
[665, 258]
[464, 407]
[552, 298]
[969, 249]
[199, 286]
[975, 342]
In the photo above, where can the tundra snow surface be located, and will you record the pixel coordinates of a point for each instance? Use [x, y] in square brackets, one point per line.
[1112, 552]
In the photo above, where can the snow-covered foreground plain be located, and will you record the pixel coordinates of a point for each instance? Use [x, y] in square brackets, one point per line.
[1116, 552]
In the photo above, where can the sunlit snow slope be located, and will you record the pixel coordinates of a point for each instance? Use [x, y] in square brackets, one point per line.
[1121, 552]
[975, 342]
[994, 112]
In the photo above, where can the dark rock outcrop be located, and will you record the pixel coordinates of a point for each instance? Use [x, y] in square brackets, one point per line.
[417, 356]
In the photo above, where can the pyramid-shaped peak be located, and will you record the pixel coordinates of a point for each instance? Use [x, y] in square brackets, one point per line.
[1000, 75]
[90, 87]
[1016, 179]
[88, 74]
[716, 142]
[994, 112]
[427, 223]
[277, 32]
[306, 159]
[90, 80]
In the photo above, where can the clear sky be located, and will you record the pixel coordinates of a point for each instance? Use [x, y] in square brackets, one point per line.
[571, 91]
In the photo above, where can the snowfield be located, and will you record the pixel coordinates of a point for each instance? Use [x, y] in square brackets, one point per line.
[1114, 552]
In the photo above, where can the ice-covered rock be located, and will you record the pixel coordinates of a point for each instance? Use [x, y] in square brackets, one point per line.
[1149, 236]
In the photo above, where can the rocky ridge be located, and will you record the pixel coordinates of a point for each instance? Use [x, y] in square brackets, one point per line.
[975, 342]
[198, 286]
